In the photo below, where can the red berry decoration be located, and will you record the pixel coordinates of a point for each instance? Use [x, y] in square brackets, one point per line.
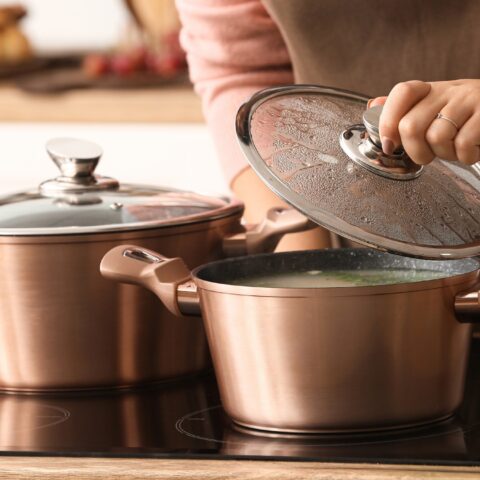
[138, 58]
[122, 64]
[96, 65]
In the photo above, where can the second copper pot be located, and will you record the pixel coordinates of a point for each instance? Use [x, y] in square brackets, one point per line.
[323, 359]
[64, 327]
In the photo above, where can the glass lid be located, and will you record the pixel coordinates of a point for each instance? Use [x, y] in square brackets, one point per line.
[78, 201]
[318, 148]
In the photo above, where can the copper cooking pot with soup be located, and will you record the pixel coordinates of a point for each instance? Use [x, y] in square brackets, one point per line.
[347, 339]
[326, 340]
[64, 327]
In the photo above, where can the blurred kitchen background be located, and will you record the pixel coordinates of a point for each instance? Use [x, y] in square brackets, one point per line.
[110, 71]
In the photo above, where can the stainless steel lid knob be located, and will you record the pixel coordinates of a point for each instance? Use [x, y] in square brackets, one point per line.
[363, 145]
[371, 120]
[73, 157]
[76, 160]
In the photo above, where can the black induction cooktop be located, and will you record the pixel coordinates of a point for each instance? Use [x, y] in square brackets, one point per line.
[184, 419]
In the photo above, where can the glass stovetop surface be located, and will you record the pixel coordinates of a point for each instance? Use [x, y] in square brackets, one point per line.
[184, 419]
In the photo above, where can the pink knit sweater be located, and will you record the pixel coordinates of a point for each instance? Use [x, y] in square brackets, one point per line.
[233, 49]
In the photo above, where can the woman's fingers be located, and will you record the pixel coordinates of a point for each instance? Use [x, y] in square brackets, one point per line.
[413, 128]
[467, 141]
[403, 97]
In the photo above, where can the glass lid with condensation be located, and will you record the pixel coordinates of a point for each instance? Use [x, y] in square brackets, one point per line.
[78, 201]
[319, 149]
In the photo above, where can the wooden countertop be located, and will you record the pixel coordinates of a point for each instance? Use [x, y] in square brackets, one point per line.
[166, 104]
[55, 468]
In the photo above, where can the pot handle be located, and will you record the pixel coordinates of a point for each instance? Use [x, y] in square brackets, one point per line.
[264, 237]
[168, 278]
[467, 306]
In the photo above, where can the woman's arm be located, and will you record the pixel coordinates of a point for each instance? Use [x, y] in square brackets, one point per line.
[233, 50]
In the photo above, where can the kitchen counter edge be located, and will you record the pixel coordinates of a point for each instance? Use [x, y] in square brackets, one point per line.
[53, 468]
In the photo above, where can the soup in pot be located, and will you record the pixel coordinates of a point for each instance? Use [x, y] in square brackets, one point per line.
[337, 278]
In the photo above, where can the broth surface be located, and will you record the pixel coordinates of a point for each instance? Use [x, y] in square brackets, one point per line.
[338, 278]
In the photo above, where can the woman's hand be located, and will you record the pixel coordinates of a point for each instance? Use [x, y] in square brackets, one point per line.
[409, 118]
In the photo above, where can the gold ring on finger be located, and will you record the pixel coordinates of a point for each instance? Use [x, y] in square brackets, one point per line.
[440, 116]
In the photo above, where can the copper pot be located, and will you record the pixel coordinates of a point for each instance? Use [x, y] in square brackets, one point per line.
[62, 325]
[323, 359]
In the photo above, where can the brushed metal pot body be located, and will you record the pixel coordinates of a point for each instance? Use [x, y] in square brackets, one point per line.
[64, 327]
[328, 359]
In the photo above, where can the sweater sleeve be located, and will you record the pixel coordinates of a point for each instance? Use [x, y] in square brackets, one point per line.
[233, 50]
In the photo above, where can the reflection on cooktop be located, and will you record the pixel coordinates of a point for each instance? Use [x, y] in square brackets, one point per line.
[185, 419]
[439, 440]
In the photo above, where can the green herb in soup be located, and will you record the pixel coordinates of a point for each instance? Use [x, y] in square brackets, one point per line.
[338, 278]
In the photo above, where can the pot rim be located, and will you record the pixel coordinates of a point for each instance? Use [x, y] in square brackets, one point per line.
[123, 236]
[467, 280]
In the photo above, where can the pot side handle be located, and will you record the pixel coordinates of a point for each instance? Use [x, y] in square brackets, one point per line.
[264, 237]
[467, 306]
[168, 278]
